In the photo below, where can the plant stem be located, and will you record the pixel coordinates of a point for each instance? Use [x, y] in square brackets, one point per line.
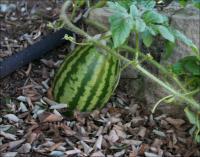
[74, 11]
[137, 45]
[157, 65]
[66, 20]
[161, 100]
[194, 104]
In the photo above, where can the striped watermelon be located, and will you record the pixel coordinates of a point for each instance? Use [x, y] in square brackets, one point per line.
[86, 79]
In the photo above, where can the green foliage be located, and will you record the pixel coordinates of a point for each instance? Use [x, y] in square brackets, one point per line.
[189, 66]
[195, 3]
[194, 119]
[143, 18]
[165, 32]
[121, 24]
[139, 17]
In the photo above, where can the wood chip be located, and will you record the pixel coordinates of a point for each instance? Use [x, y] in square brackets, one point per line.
[8, 135]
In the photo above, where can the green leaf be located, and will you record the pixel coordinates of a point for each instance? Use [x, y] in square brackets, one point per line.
[190, 115]
[196, 3]
[116, 7]
[134, 11]
[147, 38]
[192, 65]
[121, 23]
[178, 68]
[197, 138]
[169, 47]
[152, 16]
[126, 3]
[147, 4]
[164, 31]
[121, 27]
[181, 37]
[139, 25]
[151, 30]
[198, 121]
[183, 2]
[189, 65]
[195, 49]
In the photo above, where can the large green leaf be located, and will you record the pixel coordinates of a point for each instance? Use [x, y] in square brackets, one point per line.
[165, 32]
[152, 29]
[116, 8]
[139, 25]
[152, 16]
[147, 4]
[180, 36]
[189, 65]
[121, 26]
[121, 23]
[147, 38]
[126, 3]
[134, 11]
[169, 47]
[183, 2]
[190, 115]
[196, 3]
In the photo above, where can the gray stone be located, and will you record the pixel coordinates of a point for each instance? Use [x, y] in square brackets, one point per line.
[186, 20]
[100, 15]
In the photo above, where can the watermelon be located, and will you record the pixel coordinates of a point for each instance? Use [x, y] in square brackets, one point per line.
[86, 79]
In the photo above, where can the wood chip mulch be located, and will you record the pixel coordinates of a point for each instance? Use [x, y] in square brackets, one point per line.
[32, 125]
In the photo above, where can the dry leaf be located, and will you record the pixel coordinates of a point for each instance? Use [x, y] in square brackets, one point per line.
[15, 144]
[142, 132]
[49, 117]
[55, 146]
[9, 154]
[12, 117]
[113, 137]
[8, 135]
[87, 148]
[25, 148]
[73, 152]
[175, 122]
[120, 154]
[98, 143]
[97, 154]
[132, 142]
[147, 154]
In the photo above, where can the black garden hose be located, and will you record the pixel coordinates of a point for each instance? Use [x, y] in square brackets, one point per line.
[35, 51]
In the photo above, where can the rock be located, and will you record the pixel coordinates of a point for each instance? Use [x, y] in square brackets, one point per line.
[186, 20]
[100, 15]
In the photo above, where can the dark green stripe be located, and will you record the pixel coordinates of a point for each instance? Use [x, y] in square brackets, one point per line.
[65, 67]
[80, 60]
[105, 90]
[96, 86]
[66, 61]
[90, 71]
